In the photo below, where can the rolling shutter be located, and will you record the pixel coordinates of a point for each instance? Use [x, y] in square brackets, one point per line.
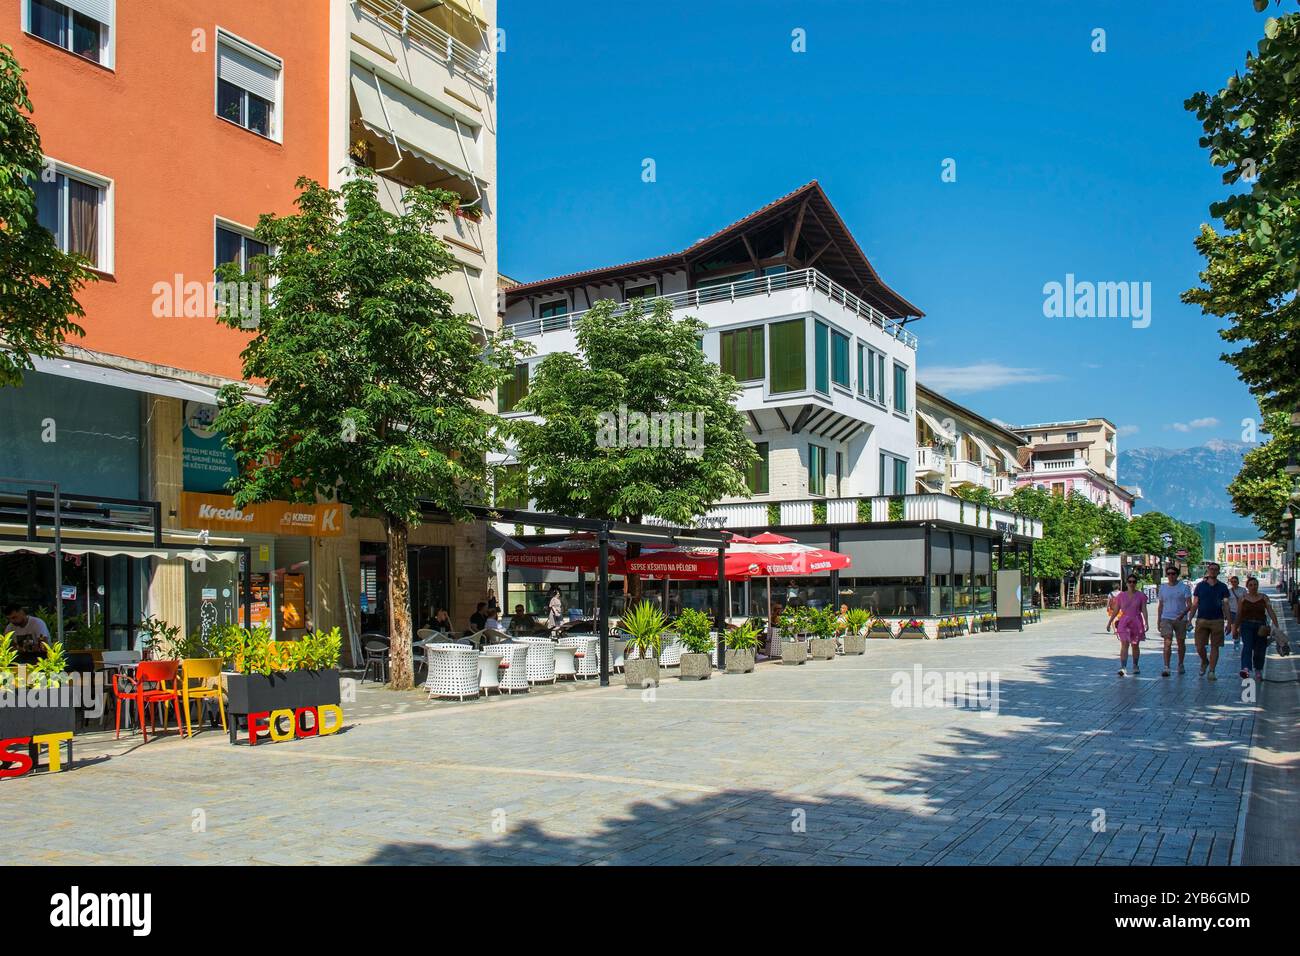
[247, 69]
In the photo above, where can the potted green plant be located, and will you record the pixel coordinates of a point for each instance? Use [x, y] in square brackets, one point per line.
[157, 637]
[645, 629]
[822, 624]
[30, 704]
[267, 680]
[742, 646]
[793, 627]
[855, 633]
[693, 630]
[912, 628]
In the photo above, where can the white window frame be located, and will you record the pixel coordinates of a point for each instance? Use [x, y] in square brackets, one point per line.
[105, 218]
[252, 50]
[107, 35]
[231, 226]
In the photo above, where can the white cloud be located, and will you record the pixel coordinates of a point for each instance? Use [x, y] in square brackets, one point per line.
[1125, 430]
[954, 379]
[1194, 423]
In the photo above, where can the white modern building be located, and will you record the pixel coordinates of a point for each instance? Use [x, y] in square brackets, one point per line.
[796, 312]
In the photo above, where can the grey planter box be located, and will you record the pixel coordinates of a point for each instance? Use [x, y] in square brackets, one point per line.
[855, 644]
[740, 661]
[794, 652]
[696, 667]
[638, 673]
[880, 633]
[822, 648]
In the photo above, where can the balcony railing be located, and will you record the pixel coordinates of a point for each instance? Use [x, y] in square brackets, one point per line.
[1059, 464]
[930, 461]
[846, 511]
[477, 64]
[969, 473]
[763, 285]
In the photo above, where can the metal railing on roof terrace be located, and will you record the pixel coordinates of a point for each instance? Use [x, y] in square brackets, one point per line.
[398, 16]
[763, 285]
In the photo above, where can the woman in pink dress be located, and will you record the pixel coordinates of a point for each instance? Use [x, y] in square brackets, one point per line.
[1131, 627]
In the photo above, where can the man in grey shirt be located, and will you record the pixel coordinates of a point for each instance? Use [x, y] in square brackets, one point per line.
[1172, 604]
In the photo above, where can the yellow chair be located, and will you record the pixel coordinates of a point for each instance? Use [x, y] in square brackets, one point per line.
[204, 670]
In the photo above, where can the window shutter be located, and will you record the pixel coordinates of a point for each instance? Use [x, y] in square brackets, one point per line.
[246, 71]
[101, 10]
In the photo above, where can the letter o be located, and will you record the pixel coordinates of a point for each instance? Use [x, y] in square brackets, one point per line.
[276, 733]
[300, 728]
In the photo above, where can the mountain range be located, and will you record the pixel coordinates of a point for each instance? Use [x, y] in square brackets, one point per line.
[1190, 484]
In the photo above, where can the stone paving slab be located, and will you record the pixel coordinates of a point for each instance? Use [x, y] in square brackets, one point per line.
[789, 765]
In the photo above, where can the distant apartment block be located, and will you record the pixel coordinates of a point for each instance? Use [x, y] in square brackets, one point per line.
[1248, 555]
[1082, 456]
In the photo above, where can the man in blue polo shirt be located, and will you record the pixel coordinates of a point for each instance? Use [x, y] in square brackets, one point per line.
[1210, 606]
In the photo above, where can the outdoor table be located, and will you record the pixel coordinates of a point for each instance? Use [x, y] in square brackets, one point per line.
[569, 652]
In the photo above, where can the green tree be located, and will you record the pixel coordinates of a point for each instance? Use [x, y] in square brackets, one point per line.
[1253, 268]
[1071, 532]
[978, 494]
[1263, 489]
[39, 284]
[630, 361]
[375, 387]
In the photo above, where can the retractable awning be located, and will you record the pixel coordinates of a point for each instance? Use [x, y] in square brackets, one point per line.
[984, 446]
[427, 133]
[942, 433]
[120, 378]
[1012, 462]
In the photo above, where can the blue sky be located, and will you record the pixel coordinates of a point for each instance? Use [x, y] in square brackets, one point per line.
[1067, 161]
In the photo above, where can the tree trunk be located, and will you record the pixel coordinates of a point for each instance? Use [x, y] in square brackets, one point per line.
[401, 669]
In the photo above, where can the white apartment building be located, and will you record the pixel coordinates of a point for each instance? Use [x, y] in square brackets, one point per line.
[796, 312]
[957, 448]
[413, 97]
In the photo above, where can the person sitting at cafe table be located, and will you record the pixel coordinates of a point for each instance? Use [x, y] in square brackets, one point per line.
[478, 619]
[442, 621]
[522, 622]
[28, 632]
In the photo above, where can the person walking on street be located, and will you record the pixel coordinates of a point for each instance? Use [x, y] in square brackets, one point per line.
[1210, 608]
[1111, 610]
[1173, 603]
[1235, 593]
[1131, 627]
[554, 611]
[1253, 613]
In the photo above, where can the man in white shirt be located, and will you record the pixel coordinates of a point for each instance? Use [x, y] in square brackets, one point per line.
[1173, 603]
[1235, 593]
[29, 633]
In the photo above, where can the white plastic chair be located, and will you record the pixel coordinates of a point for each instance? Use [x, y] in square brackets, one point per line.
[513, 674]
[566, 663]
[453, 671]
[586, 655]
[671, 653]
[425, 633]
[616, 648]
[541, 659]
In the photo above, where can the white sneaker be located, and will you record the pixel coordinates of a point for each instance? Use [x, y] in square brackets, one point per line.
[1210, 676]
[1121, 672]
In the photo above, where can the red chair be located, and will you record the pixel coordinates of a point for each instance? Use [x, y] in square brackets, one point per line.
[159, 673]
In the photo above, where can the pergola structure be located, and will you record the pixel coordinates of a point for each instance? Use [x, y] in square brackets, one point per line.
[607, 531]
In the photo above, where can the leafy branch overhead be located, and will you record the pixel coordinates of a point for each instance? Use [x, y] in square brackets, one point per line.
[38, 282]
[1252, 268]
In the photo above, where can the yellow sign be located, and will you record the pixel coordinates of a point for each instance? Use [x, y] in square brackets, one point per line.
[218, 513]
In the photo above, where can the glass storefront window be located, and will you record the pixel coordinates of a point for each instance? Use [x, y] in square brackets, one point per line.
[429, 573]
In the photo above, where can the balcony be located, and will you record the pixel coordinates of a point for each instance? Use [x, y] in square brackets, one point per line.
[474, 65]
[968, 473]
[930, 462]
[1059, 464]
[1003, 486]
[801, 284]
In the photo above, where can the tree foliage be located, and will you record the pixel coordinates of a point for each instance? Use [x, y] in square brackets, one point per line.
[1252, 267]
[38, 282]
[375, 387]
[1263, 489]
[643, 362]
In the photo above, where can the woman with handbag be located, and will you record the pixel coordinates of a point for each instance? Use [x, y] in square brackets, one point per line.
[1254, 611]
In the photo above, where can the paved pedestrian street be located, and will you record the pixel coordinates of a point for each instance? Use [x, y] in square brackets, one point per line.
[797, 765]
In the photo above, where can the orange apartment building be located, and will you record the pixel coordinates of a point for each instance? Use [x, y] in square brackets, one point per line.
[169, 128]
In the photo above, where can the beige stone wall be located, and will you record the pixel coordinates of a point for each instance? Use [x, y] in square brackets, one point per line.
[164, 424]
